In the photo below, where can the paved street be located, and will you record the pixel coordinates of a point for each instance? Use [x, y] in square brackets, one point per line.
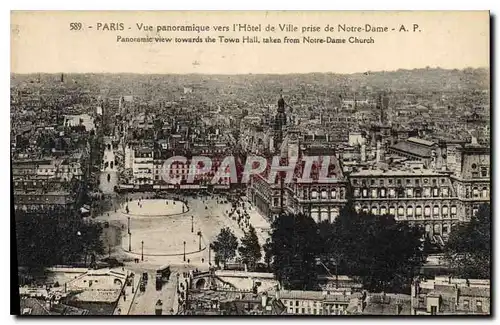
[144, 302]
[111, 170]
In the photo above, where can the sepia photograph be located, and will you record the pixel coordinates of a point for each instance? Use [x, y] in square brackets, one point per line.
[250, 163]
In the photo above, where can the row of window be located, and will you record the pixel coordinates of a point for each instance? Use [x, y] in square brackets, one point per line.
[144, 155]
[467, 307]
[64, 170]
[32, 199]
[398, 181]
[313, 308]
[483, 173]
[222, 180]
[401, 192]
[333, 194]
[418, 211]
[315, 311]
[476, 193]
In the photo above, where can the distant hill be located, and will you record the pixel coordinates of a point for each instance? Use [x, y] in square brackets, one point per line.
[416, 80]
[427, 79]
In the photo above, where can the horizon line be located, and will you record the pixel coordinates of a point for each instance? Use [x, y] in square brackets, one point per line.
[251, 73]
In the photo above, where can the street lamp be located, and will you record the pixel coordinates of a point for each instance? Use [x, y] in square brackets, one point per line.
[129, 241]
[184, 259]
[192, 223]
[142, 250]
[129, 236]
[209, 254]
[199, 240]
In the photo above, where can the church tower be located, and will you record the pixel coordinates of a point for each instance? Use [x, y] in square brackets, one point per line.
[279, 123]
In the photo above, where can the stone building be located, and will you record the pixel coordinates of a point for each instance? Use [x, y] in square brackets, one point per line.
[449, 296]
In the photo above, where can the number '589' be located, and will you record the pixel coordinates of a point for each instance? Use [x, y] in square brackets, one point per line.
[75, 26]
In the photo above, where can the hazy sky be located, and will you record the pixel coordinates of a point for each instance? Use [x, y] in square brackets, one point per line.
[43, 42]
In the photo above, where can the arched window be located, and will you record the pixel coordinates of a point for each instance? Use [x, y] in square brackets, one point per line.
[475, 192]
[383, 210]
[435, 211]
[418, 211]
[374, 193]
[392, 210]
[374, 210]
[314, 194]
[453, 210]
[334, 193]
[409, 211]
[401, 211]
[427, 211]
[444, 211]
[324, 194]
[365, 209]
[382, 192]
[484, 192]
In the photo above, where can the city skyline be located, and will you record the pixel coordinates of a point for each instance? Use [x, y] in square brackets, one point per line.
[249, 73]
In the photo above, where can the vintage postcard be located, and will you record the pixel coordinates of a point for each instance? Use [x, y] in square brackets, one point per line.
[251, 163]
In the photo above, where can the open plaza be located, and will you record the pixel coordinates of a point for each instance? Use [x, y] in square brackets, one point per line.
[173, 231]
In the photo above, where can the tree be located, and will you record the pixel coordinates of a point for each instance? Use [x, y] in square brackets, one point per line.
[249, 250]
[469, 247]
[382, 252]
[52, 237]
[293, 248]
[225, 246]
